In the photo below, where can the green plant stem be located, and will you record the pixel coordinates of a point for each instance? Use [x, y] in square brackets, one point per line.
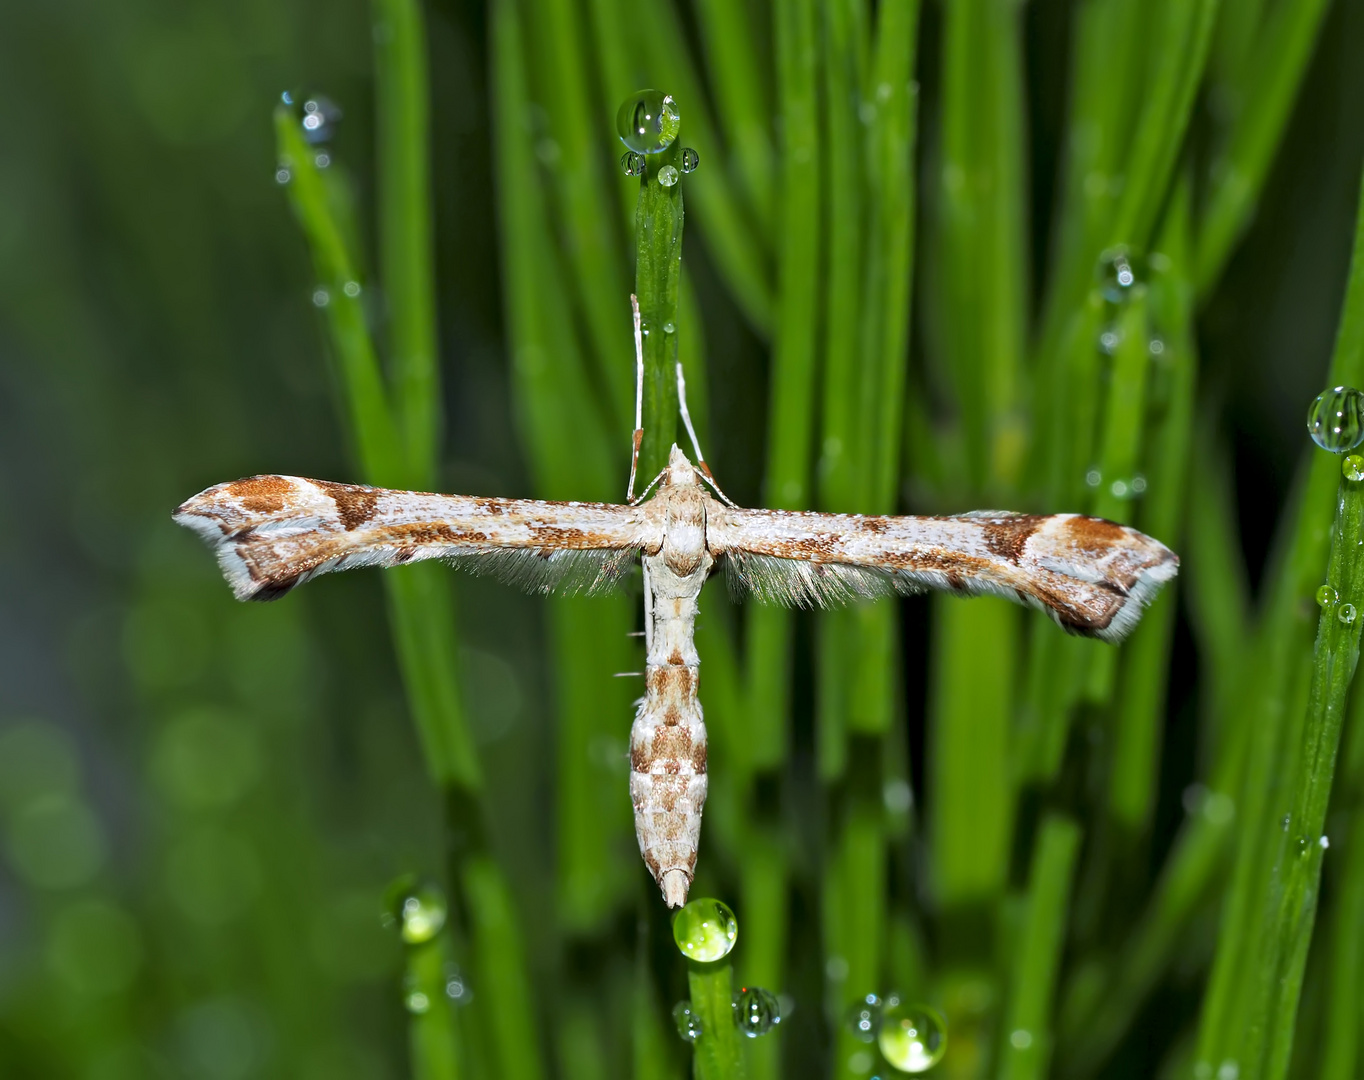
[1297, 870]
[595, 273]
[658, 274]
[406, 262]
[1274, 703]
[741, 100]
[740, 253]
[719, 1049]
[1028, 1031]
[1264, 87]
[431, 1028]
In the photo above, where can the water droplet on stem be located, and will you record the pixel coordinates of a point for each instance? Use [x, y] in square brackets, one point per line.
[667, 176]
[756, 1011]
[417, 908]
[913, 1038]
[705, 930]
[648, 121]
[1336, 419]
[688, 1023]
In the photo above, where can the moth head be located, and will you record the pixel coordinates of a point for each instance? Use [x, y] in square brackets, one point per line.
[680, 469]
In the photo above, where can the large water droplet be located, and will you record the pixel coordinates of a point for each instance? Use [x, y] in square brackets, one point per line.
[756, 1011]
[691, 160]
[688, 1023]
[1352, 467]
[1118, 273]
[1326, 596]
[667, 176]
[632, 164]
[648, 121]
[913, 1037]
[417, 908]
[864, 1018]
[319, 120]
[1336, 419]
[1346, 614]
[705, 930]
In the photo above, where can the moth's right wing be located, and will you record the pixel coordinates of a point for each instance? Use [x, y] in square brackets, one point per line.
[271, 533]
[1092, 577]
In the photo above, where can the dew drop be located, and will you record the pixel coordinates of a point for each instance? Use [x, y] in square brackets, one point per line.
[1117, 274]
[1156, 347]
[913, 1038]
[1352, 467]
[1228, 1070]
[351, 289]
[1287, 821]
[1138, 485]
[1326, 597]
[457, 987]
[1346, 614]
[1020, 1039]
[415, 999]
[1336, 419]
[322, 160]
[688, 1023]
[1094, 478]
[283, 174]
[1324, 843]
[669, 328]
[321, 297]
[705, 930]
[1303, 846]
[1109, 340]
[756, 1011]
[667, 176]
[691, 160]
[632, 164]
[1119, 489]
[648, 121]
[864, 1018]
[416, 908]
[287, 97]
[319, 120]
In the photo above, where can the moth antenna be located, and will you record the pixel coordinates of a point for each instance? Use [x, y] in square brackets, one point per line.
[639, 398]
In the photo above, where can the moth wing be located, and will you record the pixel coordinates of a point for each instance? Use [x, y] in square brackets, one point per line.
[1090, 576]
[272, 533]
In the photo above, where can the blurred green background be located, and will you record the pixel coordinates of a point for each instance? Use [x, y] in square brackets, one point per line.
[201, 802]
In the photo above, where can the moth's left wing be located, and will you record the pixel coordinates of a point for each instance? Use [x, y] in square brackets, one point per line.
[271, 533]
[1093, 577]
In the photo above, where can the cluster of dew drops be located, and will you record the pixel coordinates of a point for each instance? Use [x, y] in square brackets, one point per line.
[1119, 275]
[318, 118]
[648, 122]
[912, 1038]
[1335, 421]
[417, 910]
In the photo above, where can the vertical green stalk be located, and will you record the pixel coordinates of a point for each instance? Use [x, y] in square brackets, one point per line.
[719, 1049]
[431, 1029]
[1297, 870]
[658, 274]
[1264, 86]
[406, 263]
[1234, 1007]
[1028, 1031]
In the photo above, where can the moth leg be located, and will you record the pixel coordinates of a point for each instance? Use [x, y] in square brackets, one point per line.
[695, 442]
[639, 398]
